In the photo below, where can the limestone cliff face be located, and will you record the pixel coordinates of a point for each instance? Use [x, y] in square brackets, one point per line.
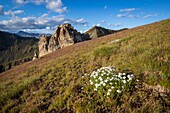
[64, 35]
[43, 45]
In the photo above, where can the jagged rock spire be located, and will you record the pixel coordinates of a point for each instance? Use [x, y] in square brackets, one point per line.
[63, 36]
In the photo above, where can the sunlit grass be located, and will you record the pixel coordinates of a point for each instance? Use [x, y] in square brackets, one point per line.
[59, 85]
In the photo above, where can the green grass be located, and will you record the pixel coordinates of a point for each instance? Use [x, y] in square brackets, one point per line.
[55, 86]
[105, 51]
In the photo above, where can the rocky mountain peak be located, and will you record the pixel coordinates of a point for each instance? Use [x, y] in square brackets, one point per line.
[63, 36]
[97, 31]
[65, 25]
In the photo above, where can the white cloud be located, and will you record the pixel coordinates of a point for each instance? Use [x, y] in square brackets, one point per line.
[150, 15]
[1, 10]
[20, 1]
[55, 6]
[59, 18]
[13, 13]
[109, 24]
[102, 21]
[132, 16]
[80, 20]
[81, 31]
[52, 5]
[147, 16]
[42, 31]
[98, 24]
[31, 22]
[127, 10]
[38, 23]
[115, 25]
[121, 15]
[86, 25]
[126, 15]
[18, 11]
[44, 15]
[37, 2]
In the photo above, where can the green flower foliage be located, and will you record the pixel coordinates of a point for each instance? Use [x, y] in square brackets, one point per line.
[107, 82]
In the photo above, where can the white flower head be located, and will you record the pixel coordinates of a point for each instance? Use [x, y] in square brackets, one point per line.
[101, 82]
[106, 81]
[108, 93]
[118, 91]
[91, 82]
[100, 78]
[124, 81]
[94, 76]
[111, 83]
[120, 74]
[130, 79]
[112, 87]
[128, 76]
[109, 90]
[104, 84]
[124, 77]
[95, 89]
[123, 73]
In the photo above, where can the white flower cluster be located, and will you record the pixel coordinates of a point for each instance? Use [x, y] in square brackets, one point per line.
[106, 80]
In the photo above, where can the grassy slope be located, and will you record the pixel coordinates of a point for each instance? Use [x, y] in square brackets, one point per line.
[53, 83]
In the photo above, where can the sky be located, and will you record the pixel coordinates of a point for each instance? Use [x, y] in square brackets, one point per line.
[43, 16]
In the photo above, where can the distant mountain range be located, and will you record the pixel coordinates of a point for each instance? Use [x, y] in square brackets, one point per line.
[15, 49]
[31, 35]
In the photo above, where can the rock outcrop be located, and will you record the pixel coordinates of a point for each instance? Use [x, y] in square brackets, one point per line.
[35, 55]
[96, 32]
[43, 45]
[64, 35]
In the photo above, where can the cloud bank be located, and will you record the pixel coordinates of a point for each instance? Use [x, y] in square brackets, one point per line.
[43, 22]
[52, 5]
[128, 10]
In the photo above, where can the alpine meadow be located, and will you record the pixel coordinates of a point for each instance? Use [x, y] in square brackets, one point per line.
[59, 56]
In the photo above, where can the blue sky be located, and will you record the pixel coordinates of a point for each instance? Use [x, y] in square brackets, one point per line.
[43, 16]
